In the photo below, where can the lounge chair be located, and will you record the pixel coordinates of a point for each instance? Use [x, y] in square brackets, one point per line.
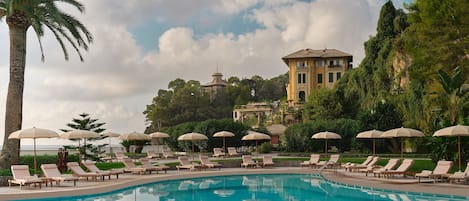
[131, 167]
[333, 161]
[91, 166]
[232, 151]
[22, 177]
[79, 172]
[313, 161]
[205, 162]
[218, 152]
[150, 167]
[267, 161]
[441, 169]
[460, 176]
[248, 162]
[52, 173]
[401, 170]
[168, 153]
[186, 164]
[370, 165]
[151, 154]
[389, 166]
[364, 164]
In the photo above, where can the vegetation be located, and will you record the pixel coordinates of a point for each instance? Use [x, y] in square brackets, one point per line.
[85, 122]
[20, 16]
[185, 102]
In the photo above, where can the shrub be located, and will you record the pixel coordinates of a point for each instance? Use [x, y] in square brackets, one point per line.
[265, 147]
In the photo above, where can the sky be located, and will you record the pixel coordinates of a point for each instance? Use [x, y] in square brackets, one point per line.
[141, 45]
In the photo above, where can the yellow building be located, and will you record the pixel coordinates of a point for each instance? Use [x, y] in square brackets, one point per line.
[313, 69]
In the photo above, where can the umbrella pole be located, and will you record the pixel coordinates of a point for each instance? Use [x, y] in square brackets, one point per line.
[459, 152]
[84, 148]
[224, 146]
[374, 147]
[325, 149]
[193, 151]
[257, 149]
[402, 148]
[35, 163]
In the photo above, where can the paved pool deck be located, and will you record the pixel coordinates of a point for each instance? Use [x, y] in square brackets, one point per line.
[125, 180]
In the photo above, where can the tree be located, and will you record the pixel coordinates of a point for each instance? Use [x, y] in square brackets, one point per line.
[20, 15]
[85, 122]
[322, 104]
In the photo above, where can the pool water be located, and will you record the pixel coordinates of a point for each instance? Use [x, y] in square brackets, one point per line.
[263, 187]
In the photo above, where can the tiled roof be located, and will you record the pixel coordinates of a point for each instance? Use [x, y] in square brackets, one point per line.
[308, 53]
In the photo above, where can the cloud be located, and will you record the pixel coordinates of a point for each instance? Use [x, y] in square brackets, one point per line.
[118, 79]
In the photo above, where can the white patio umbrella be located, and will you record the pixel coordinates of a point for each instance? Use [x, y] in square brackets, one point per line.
[110, 135]
[326, 136]
[256, 136]
[371, 134]
[401, 133]
[33, 133]
[453, 131]
[159, 135]
[78, 135]
[193, 137]
[224, 134]
[135, 136]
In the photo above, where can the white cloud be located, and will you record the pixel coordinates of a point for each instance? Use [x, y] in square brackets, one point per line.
[117, 79]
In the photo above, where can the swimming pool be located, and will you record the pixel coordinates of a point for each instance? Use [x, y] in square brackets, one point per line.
[260, 187]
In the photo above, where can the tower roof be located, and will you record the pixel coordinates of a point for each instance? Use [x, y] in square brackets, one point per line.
[216, 81]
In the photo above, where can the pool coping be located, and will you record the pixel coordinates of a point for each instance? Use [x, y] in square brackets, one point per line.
[134, 180]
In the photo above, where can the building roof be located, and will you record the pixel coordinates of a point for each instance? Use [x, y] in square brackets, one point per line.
[309, 53]
[217, 80]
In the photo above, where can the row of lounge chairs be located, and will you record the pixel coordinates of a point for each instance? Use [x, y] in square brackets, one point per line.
[204, 163]
[249, 162]
[315, 162]
[219, 152]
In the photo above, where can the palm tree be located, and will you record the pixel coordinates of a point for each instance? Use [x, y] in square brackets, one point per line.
[454, 95]
[38, 14]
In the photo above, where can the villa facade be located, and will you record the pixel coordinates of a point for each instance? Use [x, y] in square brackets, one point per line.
[310, 70]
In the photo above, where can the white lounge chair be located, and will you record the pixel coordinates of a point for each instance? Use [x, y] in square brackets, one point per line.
[22, 177]
[146, 164]
[218, 152]
[460, 176]
[205, 162]
[52, 173]
[79, 172]
[389, 166]
[313, 161]
[267, 161]
[186, 164]
[441, 169]
[91, 166]
[248, 162]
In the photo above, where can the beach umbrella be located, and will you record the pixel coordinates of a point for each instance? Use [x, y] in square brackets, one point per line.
[256, 136]
[453, 131]
[193, 137]
[159, 135]
[78, 135]
[371, 134]
[110, 135]
[33, 133]
[135, 136]
[224, 134]
[402, 133]
[326, 136]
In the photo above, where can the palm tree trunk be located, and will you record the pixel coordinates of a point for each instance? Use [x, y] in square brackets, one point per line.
[14, 104]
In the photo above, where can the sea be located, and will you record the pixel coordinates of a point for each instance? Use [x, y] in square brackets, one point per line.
[49, 149]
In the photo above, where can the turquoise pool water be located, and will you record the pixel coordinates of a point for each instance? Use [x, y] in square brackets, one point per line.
[263, 187]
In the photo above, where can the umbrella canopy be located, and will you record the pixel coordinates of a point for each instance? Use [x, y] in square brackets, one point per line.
[192, 137]
[252, 135]
[326, 136]
[458, 130]
[276, 129]
[401, 133]
[134, 136]
[224, 134]
[371, 134]
[33, 133]
[78, 135]
[159, 135]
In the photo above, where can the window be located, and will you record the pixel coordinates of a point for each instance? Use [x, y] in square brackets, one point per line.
[331, 77]
[302, 96]
[335, 63]
[338, 75]
[319, 63]
[301, 64]
[301, 78]
[319, 78]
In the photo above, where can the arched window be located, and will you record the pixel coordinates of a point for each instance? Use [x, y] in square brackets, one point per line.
[302, 96]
